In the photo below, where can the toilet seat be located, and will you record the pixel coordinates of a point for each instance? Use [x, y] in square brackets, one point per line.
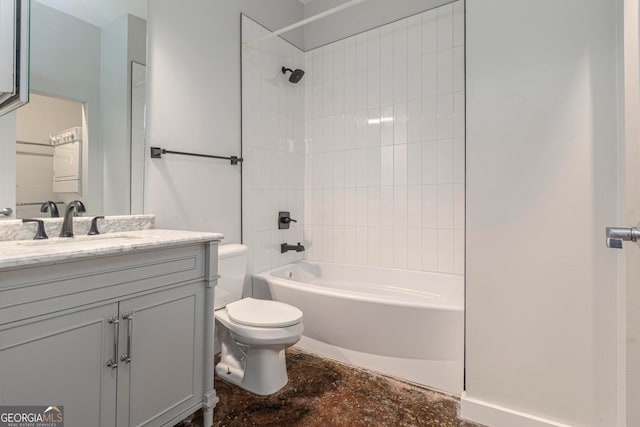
[263, 313]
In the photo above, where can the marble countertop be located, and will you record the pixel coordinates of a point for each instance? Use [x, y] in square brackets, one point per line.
[17, 253]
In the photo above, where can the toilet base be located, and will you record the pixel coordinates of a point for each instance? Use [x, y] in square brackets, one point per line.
[260, 370]
[265, 370]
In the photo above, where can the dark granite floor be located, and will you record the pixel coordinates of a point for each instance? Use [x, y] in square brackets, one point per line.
[324, 393]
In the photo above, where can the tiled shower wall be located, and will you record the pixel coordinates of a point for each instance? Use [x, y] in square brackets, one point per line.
[384, 169]
[273, 148]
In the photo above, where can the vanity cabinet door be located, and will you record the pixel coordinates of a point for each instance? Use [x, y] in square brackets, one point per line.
[62, 360]
[161, 376]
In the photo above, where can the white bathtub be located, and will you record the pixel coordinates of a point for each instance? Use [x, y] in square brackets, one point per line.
[406, 324]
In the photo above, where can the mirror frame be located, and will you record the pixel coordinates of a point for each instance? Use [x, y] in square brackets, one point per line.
[21, 58]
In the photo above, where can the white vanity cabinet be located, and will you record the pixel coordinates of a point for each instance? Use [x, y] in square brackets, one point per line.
[64, 326]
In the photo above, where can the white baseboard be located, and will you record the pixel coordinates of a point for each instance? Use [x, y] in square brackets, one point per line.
[497, 416]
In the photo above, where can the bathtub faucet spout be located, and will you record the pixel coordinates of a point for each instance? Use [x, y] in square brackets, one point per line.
[284, 248]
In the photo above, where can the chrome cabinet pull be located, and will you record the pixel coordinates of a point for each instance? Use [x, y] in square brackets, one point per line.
[129, 318]
[6, 211]
[113, 363]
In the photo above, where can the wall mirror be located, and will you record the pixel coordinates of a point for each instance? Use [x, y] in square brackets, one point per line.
[79, 137]
[14, 54]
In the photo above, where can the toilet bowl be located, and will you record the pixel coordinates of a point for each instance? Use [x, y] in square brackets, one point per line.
[253, 334]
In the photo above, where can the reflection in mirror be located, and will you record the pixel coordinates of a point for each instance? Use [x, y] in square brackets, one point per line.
[49, 153]
[81, 53]
[138, 116]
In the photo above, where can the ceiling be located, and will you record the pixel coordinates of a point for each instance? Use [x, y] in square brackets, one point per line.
[99, 12]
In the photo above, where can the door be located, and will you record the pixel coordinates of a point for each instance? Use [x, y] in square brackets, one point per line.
[160, 373]
[62, 360]
[630, 178]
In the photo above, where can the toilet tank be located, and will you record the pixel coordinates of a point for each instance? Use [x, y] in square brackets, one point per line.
[232, 269]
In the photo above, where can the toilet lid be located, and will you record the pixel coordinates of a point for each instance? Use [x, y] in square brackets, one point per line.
[263, 313]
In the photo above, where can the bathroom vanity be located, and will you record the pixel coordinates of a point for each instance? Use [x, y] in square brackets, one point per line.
[117, 328]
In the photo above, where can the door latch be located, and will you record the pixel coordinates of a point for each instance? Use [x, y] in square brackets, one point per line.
[617, 235]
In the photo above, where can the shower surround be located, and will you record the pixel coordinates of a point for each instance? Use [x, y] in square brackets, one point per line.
[366, 151]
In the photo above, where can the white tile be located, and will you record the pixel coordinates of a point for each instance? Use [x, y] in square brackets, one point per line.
[350, 130]
[458, 69]
[386, 44]
[338, 166]
[361, 52]
[414, 164]
[374, 206]
[361, 129]
[361, 245]
[414, 120]
[414, 249]
[386, 205]
[386, 125]
[338, 95]
[414, 36]
[429, 249]
[361, 90]
[429, 32]
[445, 251]
[339, 244]
[386, 165]
[373, 127]
[429, 206]
[339, 58]
[316, 103]
[445, 161]
[400, 247]
[400, 76]
[327, 207]
[349, 93]
[350, 206]
[373, 246]
[400, 41]
[429, 118]
[374, 174]
[429, 75]
[445, 206]
[362, 206]
[400, 164]
[316, 213]
[373, 48]
[414, 206]
[387, 247]
[458, 206]
[361, 167]
[414, 78]
[445, 27]
[350, 168]
[349, 56]
[327, 240]
[327, 97]
[400, 206]
[458, 251]
[318, 65]
[445, 116]
[338, 206]
[400, 123]
[458, 161]
[373, 86]
[445, 71]
[327, 65]
[429, 163]
[349, 245]
[458, 23]
[386, 83]
[458, 115]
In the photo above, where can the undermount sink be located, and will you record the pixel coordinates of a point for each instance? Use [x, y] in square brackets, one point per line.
[78, 239]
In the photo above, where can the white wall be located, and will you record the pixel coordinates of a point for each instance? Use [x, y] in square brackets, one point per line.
[194, 105]
[385, 134]
[356, 19]
[273, 148]
[8, 162]
[541, 187]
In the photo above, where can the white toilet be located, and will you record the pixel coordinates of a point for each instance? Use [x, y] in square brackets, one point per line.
[252, 333]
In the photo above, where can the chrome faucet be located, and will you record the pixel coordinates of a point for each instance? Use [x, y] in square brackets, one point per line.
[73, 208]
[51, 207]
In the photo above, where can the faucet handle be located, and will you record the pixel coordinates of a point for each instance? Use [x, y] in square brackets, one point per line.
[94, 225]
[41, 234]
[284, 219]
